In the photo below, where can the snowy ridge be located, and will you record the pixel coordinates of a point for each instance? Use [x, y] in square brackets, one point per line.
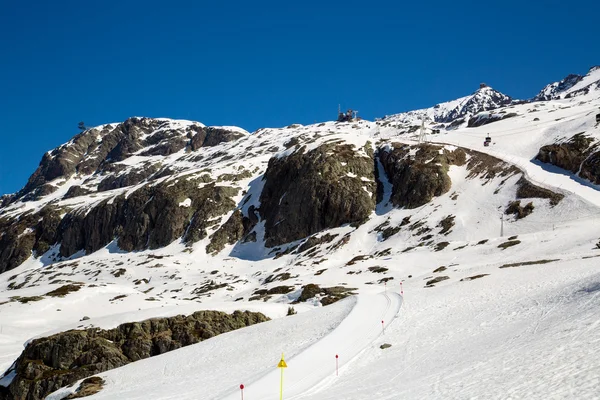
[483, 99]
[572, 85]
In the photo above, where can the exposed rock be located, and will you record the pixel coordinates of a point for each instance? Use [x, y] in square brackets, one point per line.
[309, 291]
[470, 278]
[315, 241]
[50, 363]
[132, 177]
[76, 191]
[377, 269]
[6, 199]
[385, 346]
[94, 150]
[234, 229]
[151, 217]
[87, 387]
[487, 118]
[21, 237]
[527, 190]
[508, 244]
[210, 136]
[436, 280]
[520, 212]
[305, 193]
[567, 155]
[64, 290]
[446, 224]
[417, 178]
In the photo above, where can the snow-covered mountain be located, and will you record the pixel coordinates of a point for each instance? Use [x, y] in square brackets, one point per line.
[573, 85]
[456, 112]
[477, 264]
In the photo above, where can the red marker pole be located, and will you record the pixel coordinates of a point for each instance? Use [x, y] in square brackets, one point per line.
[242, 390]
[336, 365]
[401, 290]
[383, 327]
[385, 284]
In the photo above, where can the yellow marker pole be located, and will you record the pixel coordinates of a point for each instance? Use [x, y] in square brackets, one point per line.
[281, 386]
[281, 366]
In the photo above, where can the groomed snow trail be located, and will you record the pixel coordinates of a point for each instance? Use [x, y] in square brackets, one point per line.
[312, 370]
[213, 369]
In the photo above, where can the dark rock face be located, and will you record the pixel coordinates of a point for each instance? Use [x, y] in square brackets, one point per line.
[211, 136]
[567, 155]
[527, 190]
[26, 235]
[417, 178]
[515, 208]
[133, 177]
[305, 193]
[590, 168]
[487, 118]
[578, 155]
[151, 217]
[235, 229]
[94, 150]
[50, 363]
[76, 191]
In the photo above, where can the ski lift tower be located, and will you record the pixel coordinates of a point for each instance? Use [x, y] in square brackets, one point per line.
[423, 134]
[354, 114]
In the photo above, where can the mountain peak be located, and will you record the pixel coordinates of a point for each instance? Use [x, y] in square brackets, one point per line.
[456, 112]
[571, 86]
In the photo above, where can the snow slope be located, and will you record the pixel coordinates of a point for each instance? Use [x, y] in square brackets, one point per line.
[493, 328]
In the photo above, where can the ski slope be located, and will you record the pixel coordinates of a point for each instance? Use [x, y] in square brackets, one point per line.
[310, 341]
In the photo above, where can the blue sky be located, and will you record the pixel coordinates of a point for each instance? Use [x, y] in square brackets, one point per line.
[266, 63]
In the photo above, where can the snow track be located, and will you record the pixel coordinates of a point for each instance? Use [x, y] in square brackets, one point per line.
[314, 369]
[213, 369]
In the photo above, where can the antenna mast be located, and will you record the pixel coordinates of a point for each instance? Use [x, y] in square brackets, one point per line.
[423, 134]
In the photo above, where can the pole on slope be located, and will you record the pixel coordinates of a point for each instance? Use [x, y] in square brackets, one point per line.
[501, 225]
[383, 326]
[401, 290]
[282, 365]
[336, 365]
[242, 390]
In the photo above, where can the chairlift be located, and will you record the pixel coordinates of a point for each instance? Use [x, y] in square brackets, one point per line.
[487, 141]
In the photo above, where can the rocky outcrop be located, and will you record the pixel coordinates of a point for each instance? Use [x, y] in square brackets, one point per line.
[487, 118]
[94, 150]
[418, 173]
[527, 190]
[212, 136]
[151, 217]
[579, 155]
[233, 230]
[25, 235]
[307, 192]
[129, 178]
[567, 155]
[590, 168]
[50, 363]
